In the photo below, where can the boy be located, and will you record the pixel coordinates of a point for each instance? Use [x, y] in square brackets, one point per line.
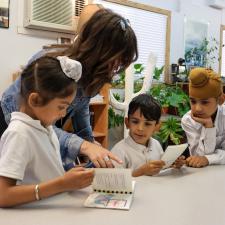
[204, 124]
[139, 150]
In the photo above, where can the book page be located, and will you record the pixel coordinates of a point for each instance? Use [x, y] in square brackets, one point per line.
[172, 153]
[110, 200]
[116, 180]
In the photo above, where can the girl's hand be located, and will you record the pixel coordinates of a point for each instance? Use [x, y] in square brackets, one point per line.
[151, 168]
[197, 161]
[206, 122]
[100, 156]
[179, 162]
[77, 178]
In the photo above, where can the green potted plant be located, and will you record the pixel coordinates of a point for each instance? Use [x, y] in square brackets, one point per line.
[171, 96]
[157, 72]
[178, 101]
[115, 119]
[170, 132]
[119, 83]
[161, 94]
[138, 69]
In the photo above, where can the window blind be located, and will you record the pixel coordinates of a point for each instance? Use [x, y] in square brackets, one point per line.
[150, 29]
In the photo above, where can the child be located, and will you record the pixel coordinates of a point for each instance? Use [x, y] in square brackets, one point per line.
[139, 150]
[30, 164]
[204, 124]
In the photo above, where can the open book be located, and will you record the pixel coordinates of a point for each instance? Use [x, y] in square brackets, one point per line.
[112, 188]
[172, 153]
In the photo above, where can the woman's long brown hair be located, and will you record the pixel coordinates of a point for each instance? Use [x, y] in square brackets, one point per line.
[106, 43]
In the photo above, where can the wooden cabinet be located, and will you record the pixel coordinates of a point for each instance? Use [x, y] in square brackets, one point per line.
[100, 117]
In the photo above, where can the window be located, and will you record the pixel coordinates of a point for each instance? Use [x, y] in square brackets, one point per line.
[222, 52]
[152, 28]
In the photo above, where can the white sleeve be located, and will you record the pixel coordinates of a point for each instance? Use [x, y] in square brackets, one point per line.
[218, 156]
[15, 155]
[120, 153]
[203, 142]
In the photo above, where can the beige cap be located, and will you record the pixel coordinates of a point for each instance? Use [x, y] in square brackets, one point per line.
[204, 83]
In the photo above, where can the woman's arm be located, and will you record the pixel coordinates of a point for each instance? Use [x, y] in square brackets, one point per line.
[70, 144]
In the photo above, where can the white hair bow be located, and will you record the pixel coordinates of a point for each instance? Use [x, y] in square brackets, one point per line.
[71, 68]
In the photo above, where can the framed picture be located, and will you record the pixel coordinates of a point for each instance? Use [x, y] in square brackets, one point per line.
[4, 13]
[195, 40]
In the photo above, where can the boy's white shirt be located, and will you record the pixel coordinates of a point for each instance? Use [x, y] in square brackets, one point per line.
[135, 155]
[208, 142]
[29, 152]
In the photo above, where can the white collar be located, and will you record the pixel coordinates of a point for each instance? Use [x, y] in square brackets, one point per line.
[30, 121]
[129, 140]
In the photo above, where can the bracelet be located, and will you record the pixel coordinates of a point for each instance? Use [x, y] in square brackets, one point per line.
[36, 189]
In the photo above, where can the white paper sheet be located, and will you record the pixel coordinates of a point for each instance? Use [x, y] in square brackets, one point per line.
[172, 153]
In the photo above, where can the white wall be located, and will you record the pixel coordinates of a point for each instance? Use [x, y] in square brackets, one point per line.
[16, 49]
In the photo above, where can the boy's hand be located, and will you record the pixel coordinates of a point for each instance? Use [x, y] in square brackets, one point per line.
[179, 162]
[153, 167]
[206, 122]
[197, 161]
[150, 168]
[77, 178]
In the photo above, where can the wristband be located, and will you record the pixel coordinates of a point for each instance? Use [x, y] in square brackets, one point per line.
[36, 189]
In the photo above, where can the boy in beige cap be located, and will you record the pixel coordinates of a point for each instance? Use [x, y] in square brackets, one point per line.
[204, 124]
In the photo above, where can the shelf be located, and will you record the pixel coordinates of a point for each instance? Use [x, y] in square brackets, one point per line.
[97, 103]
[98, 134]
[100, 117]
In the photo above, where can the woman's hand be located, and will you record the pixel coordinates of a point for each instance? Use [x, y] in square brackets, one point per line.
[197, 161]
[100, 156]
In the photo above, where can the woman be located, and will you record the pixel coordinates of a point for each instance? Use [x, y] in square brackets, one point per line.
[105, 45]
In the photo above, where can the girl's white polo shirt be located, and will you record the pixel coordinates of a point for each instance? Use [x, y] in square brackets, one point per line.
[29, 152]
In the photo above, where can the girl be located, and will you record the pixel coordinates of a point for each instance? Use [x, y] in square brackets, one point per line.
[105, 46]
[30, 163]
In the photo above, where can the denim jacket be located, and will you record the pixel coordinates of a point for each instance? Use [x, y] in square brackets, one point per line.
[78, 110]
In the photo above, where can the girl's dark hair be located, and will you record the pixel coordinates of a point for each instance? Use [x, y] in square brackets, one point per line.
[106, 43]
[148, 106]
[45, 77]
